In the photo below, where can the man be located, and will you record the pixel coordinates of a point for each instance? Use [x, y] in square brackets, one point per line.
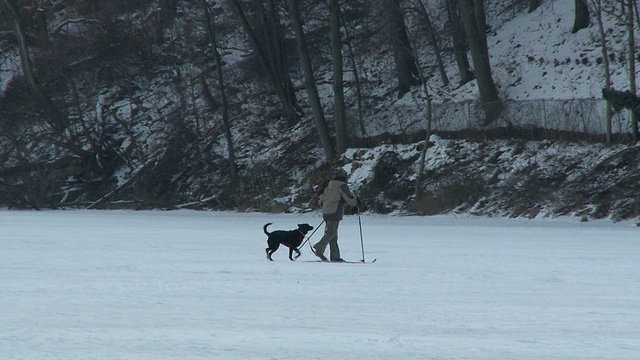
[335, 195]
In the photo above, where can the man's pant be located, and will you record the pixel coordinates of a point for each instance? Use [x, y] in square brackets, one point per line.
[331, 238]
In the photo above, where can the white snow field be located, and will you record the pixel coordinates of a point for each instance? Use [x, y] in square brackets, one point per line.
[197, 285]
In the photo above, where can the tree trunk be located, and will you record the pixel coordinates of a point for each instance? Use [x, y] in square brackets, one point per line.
[338, 85]
[53, 115]
[223, 95]
[284, 93]
[23, 47]
[632, 68]
[479, 53]
[460, 45]
[481, 24]
[309, 81]
[356, 79]
[41, 28]
[419, 193]
[406, 67]
[534, 5]
[277, 55]
[637, 14]
[434, 43]
[607, 71]
[581, 19]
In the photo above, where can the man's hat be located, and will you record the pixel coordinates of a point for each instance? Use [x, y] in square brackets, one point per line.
[339, 174]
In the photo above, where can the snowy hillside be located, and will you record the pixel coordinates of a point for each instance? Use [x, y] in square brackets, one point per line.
[538, 65]
[535, 56]
[137, 131]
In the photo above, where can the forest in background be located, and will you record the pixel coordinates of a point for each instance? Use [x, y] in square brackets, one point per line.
[247, 104]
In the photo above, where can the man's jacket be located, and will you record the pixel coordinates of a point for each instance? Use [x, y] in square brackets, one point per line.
[333, 199]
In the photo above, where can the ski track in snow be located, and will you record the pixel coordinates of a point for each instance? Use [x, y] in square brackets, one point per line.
[197, 285]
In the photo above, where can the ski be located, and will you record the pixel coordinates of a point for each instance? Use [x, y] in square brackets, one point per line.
[360, 262]
[342, 262]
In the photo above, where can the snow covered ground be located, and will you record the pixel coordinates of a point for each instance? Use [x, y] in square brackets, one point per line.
[197, 285]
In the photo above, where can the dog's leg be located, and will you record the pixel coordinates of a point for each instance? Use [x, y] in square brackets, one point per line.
[291, 253]
[291, 250]
[269, 252]
[272, 247]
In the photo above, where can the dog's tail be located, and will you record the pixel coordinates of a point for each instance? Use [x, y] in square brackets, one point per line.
[265, 228]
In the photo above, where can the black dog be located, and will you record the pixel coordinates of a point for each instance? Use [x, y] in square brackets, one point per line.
[291, 239]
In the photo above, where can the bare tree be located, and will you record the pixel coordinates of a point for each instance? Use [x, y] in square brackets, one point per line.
[581, 19]
[419, 195]
[339, 112]
[309, 81]
[607, 72]
[54, 117]
[211, 31]
[534, 5]
[271, 58]
[356, 75]
[627, 15]
[406, 68]
[422, 10]
[277, 52]
[459, 40]
[472, 12]
[632, 66]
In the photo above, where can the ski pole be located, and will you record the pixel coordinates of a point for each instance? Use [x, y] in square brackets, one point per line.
[361, 240]
[309, 237]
